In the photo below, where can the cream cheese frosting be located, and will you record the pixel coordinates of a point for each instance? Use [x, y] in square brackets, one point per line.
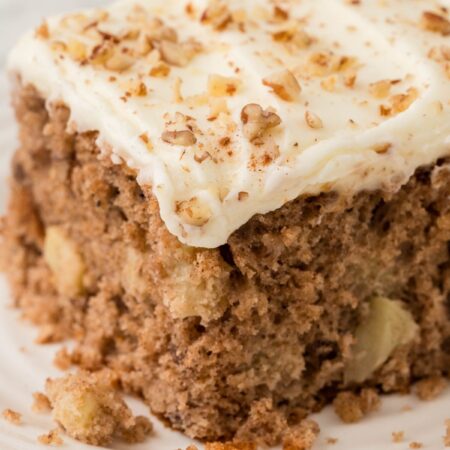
[230, 109]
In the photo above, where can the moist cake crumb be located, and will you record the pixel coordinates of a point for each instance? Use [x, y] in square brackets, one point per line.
[41, 403]
[63, 359]
[351, 407]
[51, 438]
[302, 436]
[430, 388]
[230, 446]
[398, 436]
[12, 416]
[89, 408]
[415, 445]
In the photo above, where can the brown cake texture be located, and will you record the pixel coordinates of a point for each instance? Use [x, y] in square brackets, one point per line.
[241, 341]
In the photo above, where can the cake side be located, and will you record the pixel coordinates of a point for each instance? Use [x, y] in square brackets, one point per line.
[242, 340]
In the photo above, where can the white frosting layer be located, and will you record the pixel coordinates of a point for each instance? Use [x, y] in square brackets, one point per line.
[223, 179]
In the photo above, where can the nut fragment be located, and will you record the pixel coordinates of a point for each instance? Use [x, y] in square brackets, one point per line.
[387, 327]
[313, 120]
[178, 54]
[435, 23]
[400, 102]
[294, 37]
[217, 14]
[219, 86]
[184, 138]
[65, 261]
[380, 89]
[161, 70]
[77, 50]
[256, 121]
[193, 212]
[42, 31]
[284, 84]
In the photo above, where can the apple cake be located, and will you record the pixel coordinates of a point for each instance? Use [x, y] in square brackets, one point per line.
[241, 208]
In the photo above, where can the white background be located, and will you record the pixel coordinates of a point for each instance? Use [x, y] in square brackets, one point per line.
[24, 366]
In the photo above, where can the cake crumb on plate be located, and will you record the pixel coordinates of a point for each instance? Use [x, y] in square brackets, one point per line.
[41, 403]
[351, 407]
[430, 388]
[51, 438]
[398, 436]
[89, 408]
[12, 416]
[415, 445]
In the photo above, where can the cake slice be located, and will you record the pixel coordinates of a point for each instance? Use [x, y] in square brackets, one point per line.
[241, 208]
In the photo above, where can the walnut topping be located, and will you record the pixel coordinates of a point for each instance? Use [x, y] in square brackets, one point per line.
[42, 31]
[313, 120]
[295, 36]
[383, 148]
[179, 54]
[257, 121]
[77, 50]
[146, 140]
[161, 70]
[321, 64]
[284, 84]
[435, 23]
[219, 86]
[380, 89]
[217, 14]
[193, 212]
[242, 196]
[280, 13]
[399, 103]
[184, 138]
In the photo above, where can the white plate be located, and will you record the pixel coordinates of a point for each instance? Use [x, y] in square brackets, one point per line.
[24, 366]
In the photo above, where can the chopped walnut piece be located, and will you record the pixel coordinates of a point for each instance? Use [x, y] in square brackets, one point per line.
[242, 196]
[41, 403]
[284, 85]
[301, 437]
[380, 89]
[219, 86]
[89, 409]
[382, 148]
[217, 14]
[436, 23]
[257, 121]
[313, 120]
[295, 37]
[147, 141]
[350, 79]
[174, 54]
[352, 408]
[398, 437]
[185, 138]
[161, 70]
[42, 31]
[193, 212]
[119, 62]
[51, 438]
[12, 416]
[430, 388]
[280, 13]
[77, 50]
[399, 103]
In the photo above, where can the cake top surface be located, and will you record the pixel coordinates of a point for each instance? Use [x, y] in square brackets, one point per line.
[229, 109]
